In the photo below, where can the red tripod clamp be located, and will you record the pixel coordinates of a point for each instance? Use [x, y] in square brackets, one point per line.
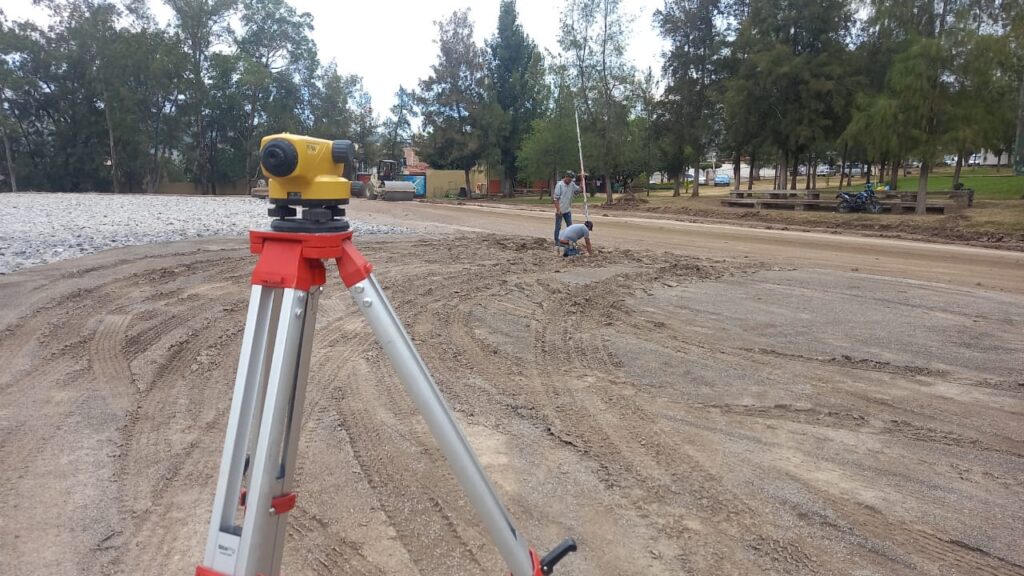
[295, 260]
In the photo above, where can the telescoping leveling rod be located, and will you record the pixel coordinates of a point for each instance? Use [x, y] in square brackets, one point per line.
[583, 174]
[261, 445]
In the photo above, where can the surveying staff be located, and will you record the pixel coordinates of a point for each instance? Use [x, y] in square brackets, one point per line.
[562, 198]
[573, 234]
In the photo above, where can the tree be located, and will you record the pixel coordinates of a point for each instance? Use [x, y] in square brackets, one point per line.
[364, 126]
[934, 76]
[452, 98]
[1012, 26]
[274, 42]
[551, 148]
[646, 89]
[200, 24]
[8, 126]
[105, 98]
[693, 69]
[673, 152]
[397, 130]
[595, 50]
[55, 108]
[798, 66]
[516, 91]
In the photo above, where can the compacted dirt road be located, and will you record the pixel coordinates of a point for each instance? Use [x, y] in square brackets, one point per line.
[945, 263]
[726, 411]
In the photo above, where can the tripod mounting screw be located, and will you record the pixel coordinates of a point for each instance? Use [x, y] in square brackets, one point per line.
[359, 288]
[367, 302]
[298, 312]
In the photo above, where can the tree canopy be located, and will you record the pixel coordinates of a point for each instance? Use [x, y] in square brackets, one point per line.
[105, 98]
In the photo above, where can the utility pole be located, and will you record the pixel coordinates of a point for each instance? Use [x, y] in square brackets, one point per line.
[1018, 148]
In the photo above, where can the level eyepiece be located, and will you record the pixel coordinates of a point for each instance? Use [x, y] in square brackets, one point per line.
[279, 158]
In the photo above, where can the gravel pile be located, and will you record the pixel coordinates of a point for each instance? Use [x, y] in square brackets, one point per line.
[40, 228]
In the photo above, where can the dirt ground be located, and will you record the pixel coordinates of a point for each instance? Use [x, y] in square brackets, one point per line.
[677, 414]
[989, 224]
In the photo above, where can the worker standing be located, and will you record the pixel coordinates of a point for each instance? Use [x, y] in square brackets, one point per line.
[562, 198]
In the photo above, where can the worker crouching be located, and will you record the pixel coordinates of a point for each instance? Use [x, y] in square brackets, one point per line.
[569, 237]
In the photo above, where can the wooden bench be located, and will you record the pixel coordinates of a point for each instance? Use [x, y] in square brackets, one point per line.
[801, 204]
[770, 194]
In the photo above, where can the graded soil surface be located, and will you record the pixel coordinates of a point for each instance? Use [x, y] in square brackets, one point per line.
[679, 408]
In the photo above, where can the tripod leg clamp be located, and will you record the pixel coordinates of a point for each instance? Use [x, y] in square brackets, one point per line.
[546, 565]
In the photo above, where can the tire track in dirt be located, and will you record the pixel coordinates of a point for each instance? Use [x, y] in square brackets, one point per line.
[400, 462]
[106, 353]
[526, 349]
[932, 553]
[569, 415]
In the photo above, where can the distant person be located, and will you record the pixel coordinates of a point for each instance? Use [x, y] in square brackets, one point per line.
[561, 196]
[573, 234]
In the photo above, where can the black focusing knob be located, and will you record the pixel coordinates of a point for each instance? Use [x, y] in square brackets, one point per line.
[344, 152]
[279, 158]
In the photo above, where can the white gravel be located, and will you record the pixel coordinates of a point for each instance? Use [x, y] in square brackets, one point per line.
[46, 227]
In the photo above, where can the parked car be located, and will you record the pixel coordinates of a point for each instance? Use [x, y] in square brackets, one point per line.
[703, 181]
[723, 180]
[824, 170]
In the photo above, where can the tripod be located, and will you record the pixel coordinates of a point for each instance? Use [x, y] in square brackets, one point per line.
[261, 445]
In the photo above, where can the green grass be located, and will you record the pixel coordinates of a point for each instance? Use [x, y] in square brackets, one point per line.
[1003, 187]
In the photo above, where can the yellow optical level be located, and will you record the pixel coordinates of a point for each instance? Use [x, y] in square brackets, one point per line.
[308, 173]
[305, 171]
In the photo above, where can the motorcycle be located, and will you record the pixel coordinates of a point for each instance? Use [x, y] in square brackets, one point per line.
[863, 201]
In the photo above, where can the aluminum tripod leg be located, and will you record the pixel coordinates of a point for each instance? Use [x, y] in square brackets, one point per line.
[417, 380]
[270, 386]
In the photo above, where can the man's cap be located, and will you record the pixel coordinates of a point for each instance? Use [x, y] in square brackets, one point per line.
[569, 174]
[589, 225]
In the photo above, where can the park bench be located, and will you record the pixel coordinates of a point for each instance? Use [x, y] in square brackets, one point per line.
[800, 204]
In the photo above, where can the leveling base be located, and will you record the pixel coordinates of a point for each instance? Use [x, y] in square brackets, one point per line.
[317, 217]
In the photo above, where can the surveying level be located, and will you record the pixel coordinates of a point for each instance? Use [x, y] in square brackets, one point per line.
[261, 445]
[310, 173]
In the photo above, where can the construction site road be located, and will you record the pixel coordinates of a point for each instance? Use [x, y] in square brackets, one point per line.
[693, 399]
[944, 263]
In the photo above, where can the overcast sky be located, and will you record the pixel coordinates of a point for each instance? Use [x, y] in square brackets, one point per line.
[391, 42]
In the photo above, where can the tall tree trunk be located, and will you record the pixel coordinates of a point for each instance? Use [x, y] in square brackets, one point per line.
[810, 172]
[794, 171]
[894, 180]
[10, 161]
[782, 172]
[677, 182]
[750, 172]
[1018, 147]
[922, 188]
[696, 180]
[842, 165]
[115, 176]
[736, 170]
[469, 190]
[959, 167]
